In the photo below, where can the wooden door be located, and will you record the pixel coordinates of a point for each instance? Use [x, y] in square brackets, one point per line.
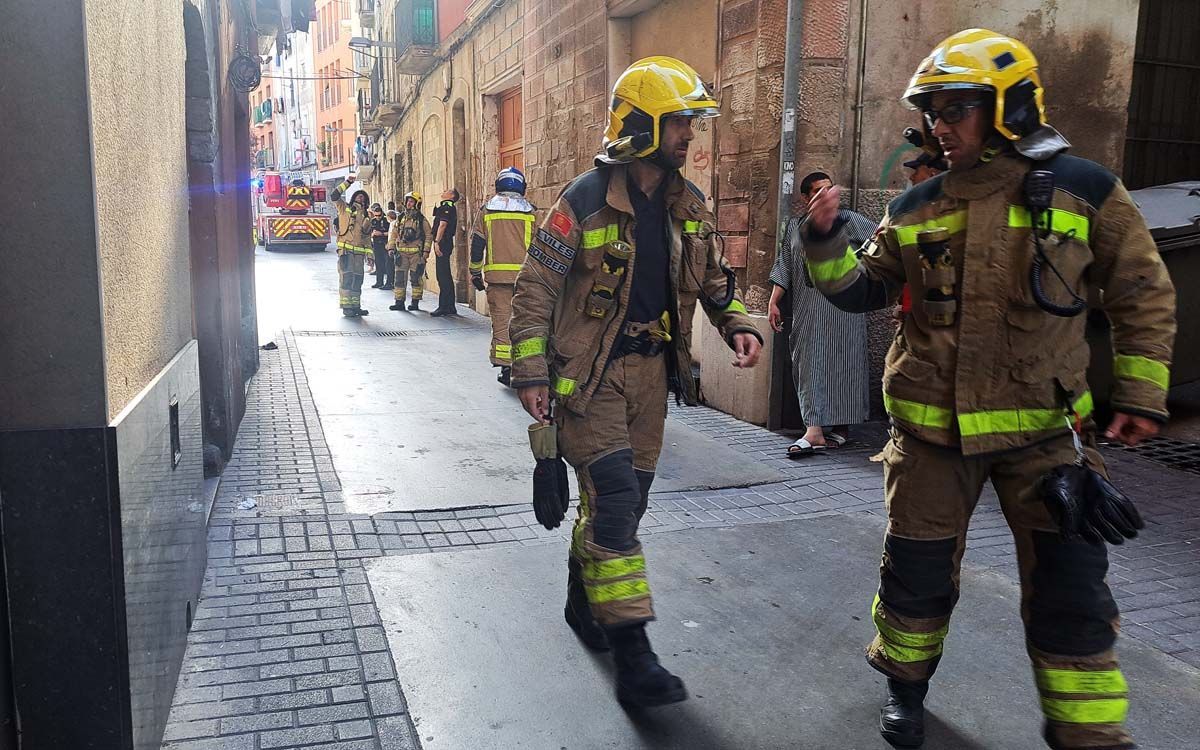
[512, 141]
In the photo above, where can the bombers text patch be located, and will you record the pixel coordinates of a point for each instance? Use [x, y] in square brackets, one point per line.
[553, 264]
[556, 244]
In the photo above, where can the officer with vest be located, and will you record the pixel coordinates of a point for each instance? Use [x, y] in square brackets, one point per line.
[502, 233]
[353, 244]
[986, 379]
[601, 325]
[411, 250]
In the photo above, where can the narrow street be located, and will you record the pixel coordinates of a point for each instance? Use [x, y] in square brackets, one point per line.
[376, 578]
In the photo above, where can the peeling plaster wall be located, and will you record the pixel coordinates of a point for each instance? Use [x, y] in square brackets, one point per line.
[135, 67]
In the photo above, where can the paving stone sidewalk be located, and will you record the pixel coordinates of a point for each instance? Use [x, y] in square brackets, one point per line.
[287, 651]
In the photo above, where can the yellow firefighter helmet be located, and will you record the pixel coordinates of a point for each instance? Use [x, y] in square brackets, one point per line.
[416, 196]
[986, 61]
[650, 89]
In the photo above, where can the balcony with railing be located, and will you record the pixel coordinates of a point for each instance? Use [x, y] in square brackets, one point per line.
[264, 159]
[366, 13]
[262, 113]
[416, 36]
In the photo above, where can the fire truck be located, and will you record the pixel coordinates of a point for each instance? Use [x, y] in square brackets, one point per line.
[285, 213]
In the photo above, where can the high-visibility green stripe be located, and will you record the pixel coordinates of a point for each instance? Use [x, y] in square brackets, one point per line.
[904, 638]
[503, 348]
[907, 655]
[564, 386]
[528, 219]
[1142, 368]
[914, 412]
[1107, 682]
[831, 271]
[952, 223]
[354, 248]
[735, 307]
[1105, 711]
[692, 227]
[502, 267]
[998, 421]
[531, 347]
[1061, 221]
[476, 266]
[508, 215]
[618, 568]
[617, 591]
[599, 237]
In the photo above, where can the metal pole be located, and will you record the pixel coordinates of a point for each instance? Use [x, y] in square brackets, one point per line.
[780, 361]
[858, 103]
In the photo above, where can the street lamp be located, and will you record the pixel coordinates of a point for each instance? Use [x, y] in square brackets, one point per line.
[361, 42]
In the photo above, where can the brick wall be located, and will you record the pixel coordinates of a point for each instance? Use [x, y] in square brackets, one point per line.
[566, 91]
[751, 86]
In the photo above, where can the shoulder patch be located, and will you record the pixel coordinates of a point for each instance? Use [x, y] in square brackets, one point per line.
[561, 223]
[1082, 178]
[915, 197]
[587, 193]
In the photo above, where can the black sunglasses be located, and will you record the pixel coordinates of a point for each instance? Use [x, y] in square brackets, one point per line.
[951, 114]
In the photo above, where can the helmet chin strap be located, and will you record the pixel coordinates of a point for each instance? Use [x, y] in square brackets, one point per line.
[659, 159]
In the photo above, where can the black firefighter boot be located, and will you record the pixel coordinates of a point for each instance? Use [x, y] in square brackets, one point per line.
[578, 613]
[641, 681]
[902, 718]
[505, 376]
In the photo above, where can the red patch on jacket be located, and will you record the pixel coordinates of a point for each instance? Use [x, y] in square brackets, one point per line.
[561, 223]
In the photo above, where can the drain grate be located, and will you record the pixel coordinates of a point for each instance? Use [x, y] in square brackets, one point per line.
[379, 334]
[1176, 454]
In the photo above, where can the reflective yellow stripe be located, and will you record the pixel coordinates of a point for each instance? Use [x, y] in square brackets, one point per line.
[830, 271]
[1142, 368]
[1060, 221]
[599, 237]
[903, 638]
[1088, 683]
[502, 350]
[1105, 711]
[908, 655]
[506, 216]
[692, 227]
[476, 266]
[913, 412]
[735, 307]
[502, 267]
[618, 568]
[617, 591]
[952, 223]
[564, 386]
[354, 248]
[531, 347]
[997, 421]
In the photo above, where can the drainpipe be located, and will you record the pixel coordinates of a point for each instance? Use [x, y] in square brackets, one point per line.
[860, 81]
[781, 357]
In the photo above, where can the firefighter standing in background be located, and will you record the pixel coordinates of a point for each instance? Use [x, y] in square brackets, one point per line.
[502, 233]
[601, 324]
[353, 244]
[986, 379]
[413, 238]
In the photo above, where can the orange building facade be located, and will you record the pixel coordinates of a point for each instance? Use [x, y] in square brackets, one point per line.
[334, 92]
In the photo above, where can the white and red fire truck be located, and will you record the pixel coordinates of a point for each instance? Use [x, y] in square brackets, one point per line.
[285, 213]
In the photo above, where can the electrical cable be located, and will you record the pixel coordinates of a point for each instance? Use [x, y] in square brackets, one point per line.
[245, 71]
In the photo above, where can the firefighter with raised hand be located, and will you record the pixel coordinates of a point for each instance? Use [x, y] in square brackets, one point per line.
[502, 233]
[601, 325]
[986, 380]
[353, 244]
[413, 239]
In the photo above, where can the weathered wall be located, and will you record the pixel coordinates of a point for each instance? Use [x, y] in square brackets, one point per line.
[566, 91]
[138, 139]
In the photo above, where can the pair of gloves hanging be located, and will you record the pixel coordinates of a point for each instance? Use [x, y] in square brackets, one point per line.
[1086, 505]
[551, 491]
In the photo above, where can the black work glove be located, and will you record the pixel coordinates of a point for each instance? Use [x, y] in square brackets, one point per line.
[477, 281]
[1086, 506]
[551, 491]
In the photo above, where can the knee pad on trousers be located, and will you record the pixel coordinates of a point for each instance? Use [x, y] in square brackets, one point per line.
[917, 578]
[645, 479]
[1071, 610]
[618, 497]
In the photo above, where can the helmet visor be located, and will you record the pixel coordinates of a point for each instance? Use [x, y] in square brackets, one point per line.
[917, 97]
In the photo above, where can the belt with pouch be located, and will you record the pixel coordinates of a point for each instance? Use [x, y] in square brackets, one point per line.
[646, 339]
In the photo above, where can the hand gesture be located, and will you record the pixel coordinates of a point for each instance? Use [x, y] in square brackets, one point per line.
[823, 208]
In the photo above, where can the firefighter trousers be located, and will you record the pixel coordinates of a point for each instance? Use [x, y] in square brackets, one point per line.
[409, 269]
[1070, 618]
[499, 299]
[350, 279]
[614, 449]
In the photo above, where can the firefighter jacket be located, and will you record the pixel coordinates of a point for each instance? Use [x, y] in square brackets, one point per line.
[1004, 373]
[556, 342]
[412, 232]
[502, 232]
[353, 226]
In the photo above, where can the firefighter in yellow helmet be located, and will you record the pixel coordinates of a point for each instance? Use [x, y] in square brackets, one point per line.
[986, 380]
[411, 250]
[601, 329]
[502, 233]
[353, 244]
